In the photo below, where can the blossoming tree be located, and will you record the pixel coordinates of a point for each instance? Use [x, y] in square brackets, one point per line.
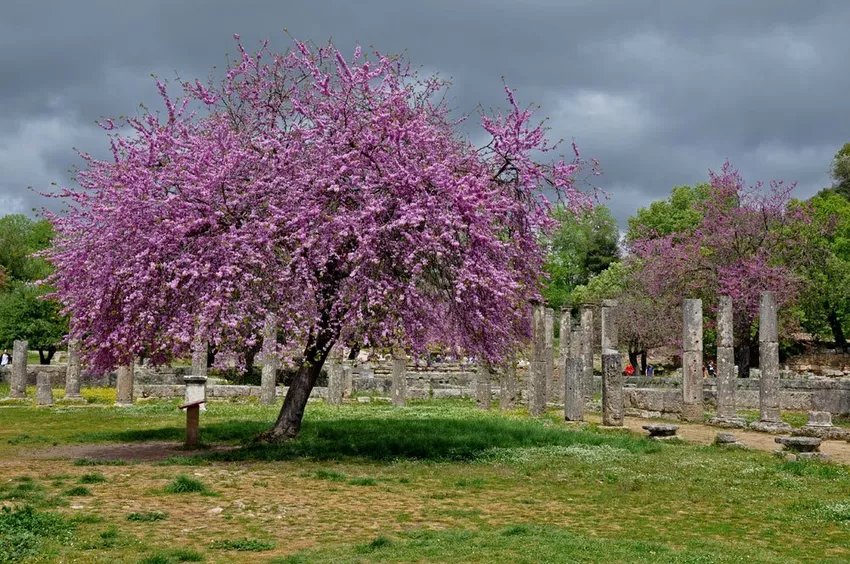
[338, 195]
[747, 240]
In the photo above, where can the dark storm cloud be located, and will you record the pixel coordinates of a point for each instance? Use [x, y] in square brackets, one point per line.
[659, 92]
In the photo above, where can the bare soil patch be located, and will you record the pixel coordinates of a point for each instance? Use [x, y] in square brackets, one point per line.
[142, 452]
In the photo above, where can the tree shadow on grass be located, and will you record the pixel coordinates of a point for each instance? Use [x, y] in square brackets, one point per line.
[434, 439]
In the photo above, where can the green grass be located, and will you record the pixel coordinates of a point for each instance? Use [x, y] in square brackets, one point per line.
[242, 545]
[185, 484]
[147, 517]
[78, 491]
[92, 478]
[24, 532]
[172, 557]
[515, 543]
[435, 481]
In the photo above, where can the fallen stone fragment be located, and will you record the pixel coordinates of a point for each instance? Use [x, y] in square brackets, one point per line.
[799, 444]
[661, 431]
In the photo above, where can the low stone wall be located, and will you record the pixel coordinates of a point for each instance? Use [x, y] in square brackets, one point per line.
[142, 375]
[797, 395]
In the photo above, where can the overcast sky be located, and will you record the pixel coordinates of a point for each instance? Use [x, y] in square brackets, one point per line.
[658, 91]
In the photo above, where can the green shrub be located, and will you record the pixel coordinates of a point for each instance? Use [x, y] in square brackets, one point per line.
[242, 545]
[185, 484]
[92, 478]
[23, 530]
[78, 491]
[151, 516]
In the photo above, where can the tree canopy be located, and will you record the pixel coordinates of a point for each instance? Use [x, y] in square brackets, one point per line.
[337, 194]
[747, 240]
[581, 247]
[24, 313]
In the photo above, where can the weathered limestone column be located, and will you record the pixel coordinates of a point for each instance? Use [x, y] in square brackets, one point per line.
[124, 385]
[692, 396]
[483, 388]
[196, 383]
[398, 390]
[612, 370]
[336, 376]
[727, 415]
[268, 380]
[587, 351]
[43, 392]
[348, 378]
[72, 374]
[537, 366]
[566, 327]
[508, 392]
[572, 366]
[769, 416]
[549, 343]
[18, 379]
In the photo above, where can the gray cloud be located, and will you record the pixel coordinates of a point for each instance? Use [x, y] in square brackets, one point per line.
[658, 91]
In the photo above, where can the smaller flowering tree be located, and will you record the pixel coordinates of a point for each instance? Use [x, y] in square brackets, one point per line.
[335, 196]
[747, 241]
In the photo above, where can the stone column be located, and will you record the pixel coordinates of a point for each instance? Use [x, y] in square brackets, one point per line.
[549, 343]
[727, 415]
[348, 378]
[587, 351]
[336, 376]
[72, 374]
[18, 379]
[537, 367]
[572, 366]
[268, 381]
[769, 416]
[565, 328]
[483, 388]
[508, 392]
[692, 381]
[398, 390]
[43, 392]
[612, 369]
[124, 386]
[196, 383]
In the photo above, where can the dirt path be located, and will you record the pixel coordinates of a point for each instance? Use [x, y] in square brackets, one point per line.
[839, 451]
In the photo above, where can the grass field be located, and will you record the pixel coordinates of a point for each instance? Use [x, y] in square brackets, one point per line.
[435, 481]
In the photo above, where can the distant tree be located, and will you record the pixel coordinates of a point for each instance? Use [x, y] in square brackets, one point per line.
[644, 321]
[840, 171]
[678, 215]
[746, 241]
[582, 246]
[825, 302]
[339, 195]
[20, 237]
[24, 312]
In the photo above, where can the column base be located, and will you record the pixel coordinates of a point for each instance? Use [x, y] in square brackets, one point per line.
[772, 427]
[728, 422]
[692, 412]
[73, 399]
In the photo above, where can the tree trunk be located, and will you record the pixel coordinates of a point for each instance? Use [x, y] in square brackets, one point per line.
[633, 357]
[355, 350]
[742, 358]
[211, 352]
[837, 330]
[250, 355]
[288, 423]
[46, 355]
[643, 362]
